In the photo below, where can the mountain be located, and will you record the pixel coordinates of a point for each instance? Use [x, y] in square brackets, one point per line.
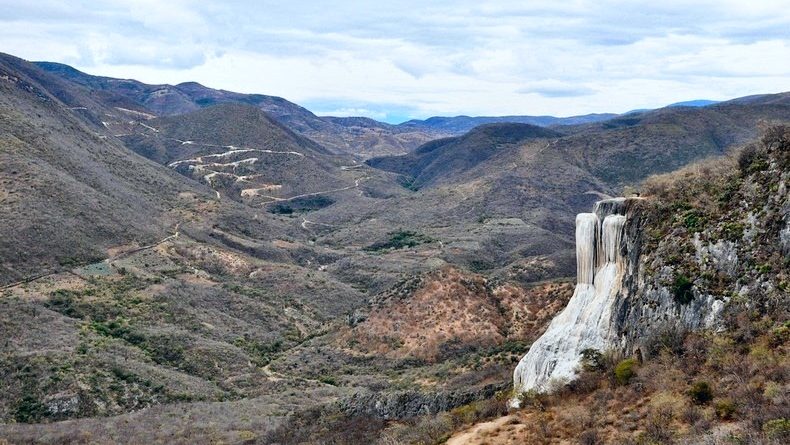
[694, 103]
[461, 124]
[619, 150]
[239, 151]
[629, 148]
[359, 136]
[448, 158]
[346, 136]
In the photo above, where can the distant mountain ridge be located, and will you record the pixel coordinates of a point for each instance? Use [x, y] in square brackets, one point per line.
[694, 103]
[359, 136]
[355, 136]
[461, 124]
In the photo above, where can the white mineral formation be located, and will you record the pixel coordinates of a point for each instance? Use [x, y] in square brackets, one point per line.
[585, 322]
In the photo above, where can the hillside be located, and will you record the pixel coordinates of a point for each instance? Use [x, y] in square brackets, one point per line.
[446, 159]
[506, 192]
[69, 192]
[241, 152]
[629, 148]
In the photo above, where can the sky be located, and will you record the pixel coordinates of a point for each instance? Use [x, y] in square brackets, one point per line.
[398, 60]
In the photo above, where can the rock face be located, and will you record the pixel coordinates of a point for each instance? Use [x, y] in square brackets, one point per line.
[406, 404]
[615, 306]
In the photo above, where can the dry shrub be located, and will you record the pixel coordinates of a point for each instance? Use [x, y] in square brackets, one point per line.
[590, 437]
[658, 428]
[685, 184]
[577, 418]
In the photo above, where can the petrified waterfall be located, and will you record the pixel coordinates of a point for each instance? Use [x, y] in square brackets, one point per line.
[586, 321]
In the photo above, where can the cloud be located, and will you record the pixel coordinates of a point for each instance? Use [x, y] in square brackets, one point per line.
[556, 89]
[415, 59]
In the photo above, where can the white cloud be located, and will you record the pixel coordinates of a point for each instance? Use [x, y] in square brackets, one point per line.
[424, 58]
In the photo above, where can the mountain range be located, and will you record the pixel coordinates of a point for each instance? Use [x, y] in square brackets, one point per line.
[360, 136]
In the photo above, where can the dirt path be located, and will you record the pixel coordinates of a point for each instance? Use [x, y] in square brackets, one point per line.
[306, 221]
[479, 433]
[304, 195]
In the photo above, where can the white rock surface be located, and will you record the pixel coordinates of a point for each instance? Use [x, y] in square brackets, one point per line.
[585, 322]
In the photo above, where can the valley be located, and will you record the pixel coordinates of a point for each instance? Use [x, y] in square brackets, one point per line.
[188, 265]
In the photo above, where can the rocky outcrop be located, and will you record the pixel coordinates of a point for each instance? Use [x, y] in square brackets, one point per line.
[712, 241]
[615, 306]
[406, 404]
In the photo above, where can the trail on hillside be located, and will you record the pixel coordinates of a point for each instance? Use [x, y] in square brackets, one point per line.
[120, 256]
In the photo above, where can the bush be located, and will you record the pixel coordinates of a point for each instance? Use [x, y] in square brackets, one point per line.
[30, 410]
[624, 371]
[592, 360]
[725, 409]
[777, 429]
[399, 240]
[732, 231]
[327, 379]
[589, 437]
[658, 429]
[747, 156]
[694, 221]
[700, 393]
[669, 338]
[682, 289]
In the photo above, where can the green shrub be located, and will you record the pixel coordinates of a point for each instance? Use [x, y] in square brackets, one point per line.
[624, 371]
[700, 393]
[65, 302]
[399, 240]
[747, 156]
[732, 231]
[694, 221]
[281, 209]
[327, 379]
[777, 429]
[724, 408]
[29, 410]
[779, 335]
[592, 360]
[682, 289]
